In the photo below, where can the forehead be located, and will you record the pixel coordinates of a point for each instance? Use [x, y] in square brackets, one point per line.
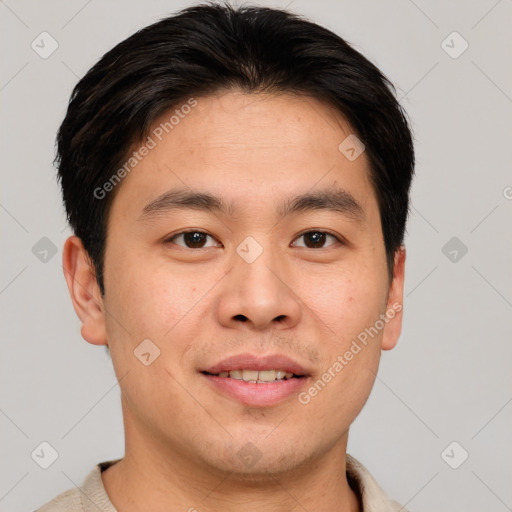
[262, 122]
[250, 148]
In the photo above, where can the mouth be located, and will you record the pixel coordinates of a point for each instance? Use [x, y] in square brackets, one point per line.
[257, 381]
[255, 367]
[255, 376]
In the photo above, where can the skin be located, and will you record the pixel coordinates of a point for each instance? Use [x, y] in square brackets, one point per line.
[307, 302]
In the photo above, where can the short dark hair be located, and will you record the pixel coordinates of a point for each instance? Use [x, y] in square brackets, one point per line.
[199, 51]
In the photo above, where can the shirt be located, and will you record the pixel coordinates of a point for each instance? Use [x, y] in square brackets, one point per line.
[92, 496]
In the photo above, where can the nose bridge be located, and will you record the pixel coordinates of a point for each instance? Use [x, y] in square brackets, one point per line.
[257, 290]
[256, 265]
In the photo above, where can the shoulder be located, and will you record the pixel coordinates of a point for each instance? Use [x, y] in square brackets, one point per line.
[68, 501]
[371, 495]
[90, 497]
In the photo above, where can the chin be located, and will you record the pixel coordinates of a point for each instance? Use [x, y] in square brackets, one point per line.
[255, 462]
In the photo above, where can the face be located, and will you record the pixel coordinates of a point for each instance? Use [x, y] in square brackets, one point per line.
[279, 265]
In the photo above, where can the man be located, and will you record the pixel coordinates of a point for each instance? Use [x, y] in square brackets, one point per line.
[237, 180]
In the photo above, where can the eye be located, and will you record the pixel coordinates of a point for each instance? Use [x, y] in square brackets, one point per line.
[191, 239]
[316, 239]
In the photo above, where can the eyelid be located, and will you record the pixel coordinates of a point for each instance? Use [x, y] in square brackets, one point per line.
[337, 237]
[170, 238]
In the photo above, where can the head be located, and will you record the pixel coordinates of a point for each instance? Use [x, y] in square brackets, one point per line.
[284, 155]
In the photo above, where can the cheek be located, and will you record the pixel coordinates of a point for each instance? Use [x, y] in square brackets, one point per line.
[347, 305]
[354, 310]
[352, 350]
[147, 301]
[149, 297]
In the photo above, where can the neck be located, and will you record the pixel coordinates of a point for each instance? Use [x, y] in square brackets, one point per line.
[158, 477]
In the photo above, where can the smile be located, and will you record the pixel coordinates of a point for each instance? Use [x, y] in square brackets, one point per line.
[256, 377]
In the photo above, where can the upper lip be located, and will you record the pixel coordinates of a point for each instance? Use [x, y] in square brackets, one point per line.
[254, 362]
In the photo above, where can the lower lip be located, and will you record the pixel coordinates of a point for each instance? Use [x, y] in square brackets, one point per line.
[257, 395]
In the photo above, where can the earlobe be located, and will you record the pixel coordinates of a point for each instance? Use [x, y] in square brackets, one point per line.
[394, 306]
[84, 291]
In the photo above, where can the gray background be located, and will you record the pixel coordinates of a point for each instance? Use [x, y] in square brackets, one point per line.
[449, 378]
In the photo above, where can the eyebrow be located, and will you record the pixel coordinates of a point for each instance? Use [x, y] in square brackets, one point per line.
[336, 200]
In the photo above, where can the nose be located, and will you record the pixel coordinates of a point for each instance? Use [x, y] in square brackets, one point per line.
[259, 294]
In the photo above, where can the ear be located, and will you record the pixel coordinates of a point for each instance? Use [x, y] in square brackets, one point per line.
[394, 306]
[84, 291]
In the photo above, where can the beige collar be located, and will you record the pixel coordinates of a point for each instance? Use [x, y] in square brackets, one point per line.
[372, 497]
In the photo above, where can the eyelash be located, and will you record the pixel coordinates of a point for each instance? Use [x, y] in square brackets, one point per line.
[170, 239]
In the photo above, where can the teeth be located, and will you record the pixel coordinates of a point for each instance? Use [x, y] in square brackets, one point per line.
[255, 376]
[267, 375]
[249, 375]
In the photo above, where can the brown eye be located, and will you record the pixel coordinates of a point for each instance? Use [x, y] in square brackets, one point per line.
[316, 239]
[192, 239]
